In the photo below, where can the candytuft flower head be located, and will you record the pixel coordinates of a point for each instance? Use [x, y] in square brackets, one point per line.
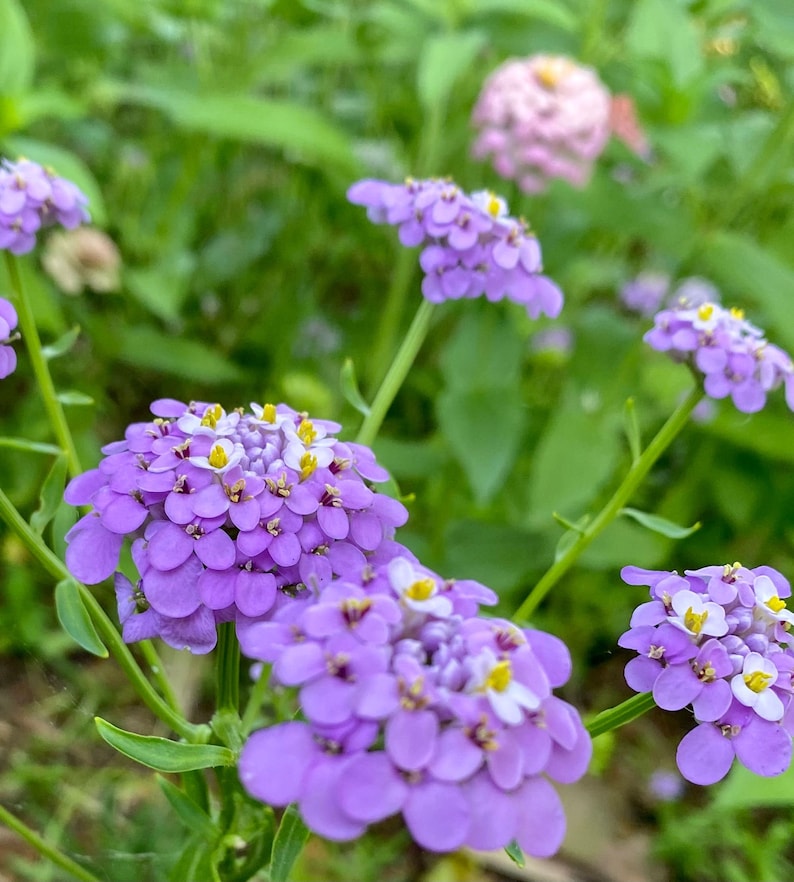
[8, 322]
[230, 514]
[428, 710]
[470, 245]
[32, 197]
[732, 354]
[717, 639]
[542, 117]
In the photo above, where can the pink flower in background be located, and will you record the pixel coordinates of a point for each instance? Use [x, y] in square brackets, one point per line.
[540, 118]
[626, 127]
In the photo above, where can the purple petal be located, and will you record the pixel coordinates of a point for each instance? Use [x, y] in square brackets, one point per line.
[763, 747]
[438, 816]
[216, 550]
[275, 763]
[373, 789]
[675, 687]
[319, 805]
[93, 553]
[254, 593]
[541, 818]
[411, 738]
[174, 592]
[456, 757]
[169, 547]
[328, 701]
[704, 755]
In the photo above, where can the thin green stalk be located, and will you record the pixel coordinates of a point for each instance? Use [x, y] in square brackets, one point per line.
[623, 713]
[228, 668]
[155, 663]
[27, 325]
[44, 848]
[398, 371]
[107, 630]
[255, 699]
[636, 474]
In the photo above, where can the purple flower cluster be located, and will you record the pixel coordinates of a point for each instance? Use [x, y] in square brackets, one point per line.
[8, 321]
[470, 246]
[32, 197]
[415, 704]
[228, 512]
[645, 293]
[732, 354]
[717, 639]
[542, 117]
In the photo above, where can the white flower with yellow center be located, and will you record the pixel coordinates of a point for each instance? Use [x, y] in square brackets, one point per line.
[417, 590]
[493, 676]
[769, 605]
[224, 455]
[696, 616]
[214, 421]
[751, 687]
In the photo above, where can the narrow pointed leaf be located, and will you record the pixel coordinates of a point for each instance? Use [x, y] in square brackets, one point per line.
[290, 838]
[443, 59]
[62, 345]
[195, 863]
[17, 49]
[660, 525]
[191, 814]
[513, 851]
[51, 495]
[350, 388]
[162, 754]
[74, 397]
[29, 446]
[75, 620]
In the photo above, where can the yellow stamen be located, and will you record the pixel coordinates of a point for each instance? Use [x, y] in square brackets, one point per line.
[548, 75]
[757, 681]
[422, 589]
[705, 311]
[269, 413]
[776, 604]
[500, 676]
[737, 313]
[493, 207]
[217, 457]
[308, 463]
[306, 431]
[695, 621]
[211, 416]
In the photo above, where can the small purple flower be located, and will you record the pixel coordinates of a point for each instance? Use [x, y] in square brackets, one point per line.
[32, 197]
[411, 706]
[229, 513]
[470, 246]
[8, 322]
[720, 645]
[645, 293]
[732, 354]
[540, 118]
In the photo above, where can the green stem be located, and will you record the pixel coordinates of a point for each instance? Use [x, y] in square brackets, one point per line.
[255, 699]
[44, 848]
[636, 474]
[107, 630]
[623, 713]
[153, 660]
[27, 325]
[228, 668]
[398, 371]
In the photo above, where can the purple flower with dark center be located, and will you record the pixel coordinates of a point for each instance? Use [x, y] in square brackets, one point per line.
[732, 354]
[8, 322]
[470, 246]
[32, 197]
[228, 512]
[445, 717]
[720, 645]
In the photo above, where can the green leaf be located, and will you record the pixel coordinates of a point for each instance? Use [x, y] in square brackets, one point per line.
[74, 618]
[51, 495]
[16, 49]
[443, 59]
[195, 863]
[163, 286]
[72, 397]
[29, 446]
[746, 790]
[290, 838]
[632, 427]
[662, 30]
[67, 165]
[162, 754]
[62, 345]
[553, 12]
[660, 525]
[305, 133]
[148, 348]
[623, 713]
[192, 815]
[350, 389]
[513, 851]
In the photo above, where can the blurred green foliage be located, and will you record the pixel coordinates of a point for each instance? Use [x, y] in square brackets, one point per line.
[216, 139]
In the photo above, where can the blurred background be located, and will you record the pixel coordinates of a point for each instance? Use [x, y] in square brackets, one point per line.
[216, 140]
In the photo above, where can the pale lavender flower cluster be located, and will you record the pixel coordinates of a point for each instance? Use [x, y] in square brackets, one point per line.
[717, 639]
[731, 353]
[8, 322]
[542, 117]
[32, 197]
[470, 246]
[645, 293]
[413, 703]
[228, 512]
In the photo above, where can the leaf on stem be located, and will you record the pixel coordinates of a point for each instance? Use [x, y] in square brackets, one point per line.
[29, 446]
[290, 838]
[51, 495]
[162, 754]
[660, 525]
[443, 59]
[632, 427]
[513, 851]
[75, 620]
[191, 814]
[350, 389]
[62, 345]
